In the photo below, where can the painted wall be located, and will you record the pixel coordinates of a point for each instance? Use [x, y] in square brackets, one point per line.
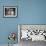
[29, 12]
[32, 11]
[7, 25]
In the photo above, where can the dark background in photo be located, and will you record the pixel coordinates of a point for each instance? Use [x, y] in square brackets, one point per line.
[10, 11]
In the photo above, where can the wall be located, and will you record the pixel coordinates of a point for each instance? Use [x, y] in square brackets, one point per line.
[7, 25]
[32, 11]
[29, 12]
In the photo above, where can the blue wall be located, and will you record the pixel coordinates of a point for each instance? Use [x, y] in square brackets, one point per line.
[29, 12]
[32, 11]
[7, 25]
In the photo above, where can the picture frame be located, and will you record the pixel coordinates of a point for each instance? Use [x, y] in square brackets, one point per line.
[10, 11]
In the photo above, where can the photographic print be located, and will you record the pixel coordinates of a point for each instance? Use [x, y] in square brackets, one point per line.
[10, 11]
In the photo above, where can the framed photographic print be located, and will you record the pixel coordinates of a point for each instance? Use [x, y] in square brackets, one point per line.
[10, 11]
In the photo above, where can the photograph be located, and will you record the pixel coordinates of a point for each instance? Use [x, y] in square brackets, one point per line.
[10, 11]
